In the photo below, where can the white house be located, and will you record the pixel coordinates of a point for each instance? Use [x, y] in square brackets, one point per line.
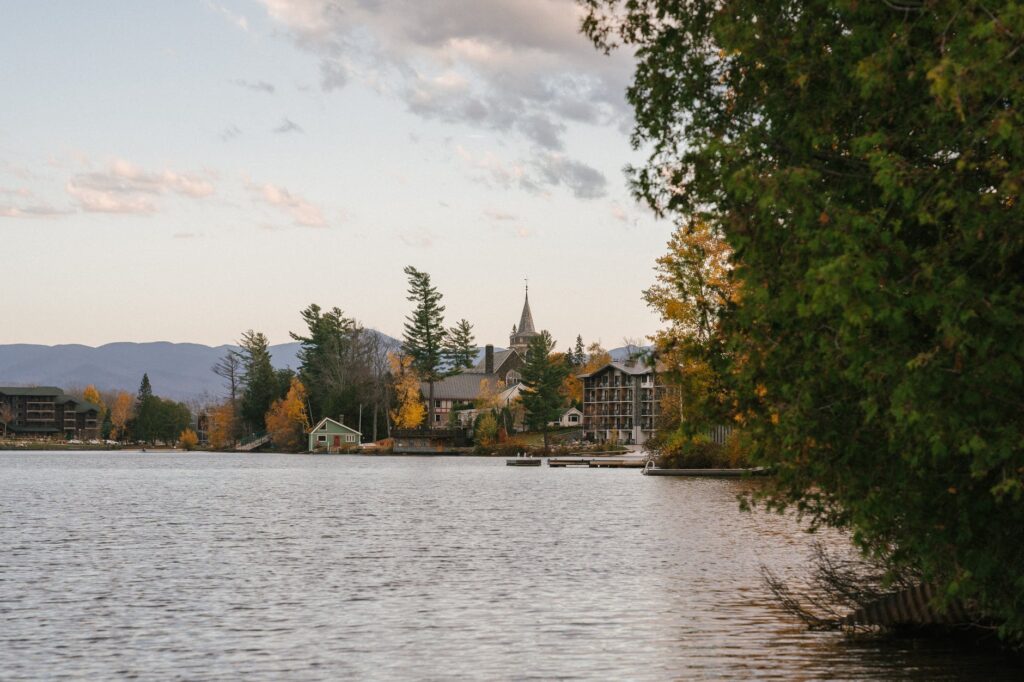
[570, 417]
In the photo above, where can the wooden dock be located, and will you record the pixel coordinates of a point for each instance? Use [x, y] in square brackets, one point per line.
[524, 462]
[595, 462]
[716, 473]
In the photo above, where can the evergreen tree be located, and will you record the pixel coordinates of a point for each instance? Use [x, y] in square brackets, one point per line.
[542, 379]
[260, 384]
[143, 426]
[425, 335]
[579, 355]
[460, 347]
[333, 364]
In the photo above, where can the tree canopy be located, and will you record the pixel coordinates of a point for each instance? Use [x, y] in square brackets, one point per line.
[863, 162]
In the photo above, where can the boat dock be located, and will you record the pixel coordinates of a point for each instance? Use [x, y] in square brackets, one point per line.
[596, 462]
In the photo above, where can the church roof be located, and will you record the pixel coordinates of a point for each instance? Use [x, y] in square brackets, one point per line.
[526, 320]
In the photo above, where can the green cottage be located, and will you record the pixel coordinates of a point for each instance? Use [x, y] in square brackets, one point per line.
[331, 436]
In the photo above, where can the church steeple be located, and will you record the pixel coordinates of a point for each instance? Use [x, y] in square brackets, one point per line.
[526, 319]
[521, 335]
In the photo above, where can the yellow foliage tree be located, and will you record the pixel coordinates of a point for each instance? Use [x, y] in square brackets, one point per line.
[93, 396]
[287, 420]
[410, 411]
[221, 427]
[120, 413]
[188, 439]
[694, 285]
[489, 395]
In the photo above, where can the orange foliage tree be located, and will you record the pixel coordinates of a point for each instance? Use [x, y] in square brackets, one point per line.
[287, 420]
[120, 413]
[221, 427]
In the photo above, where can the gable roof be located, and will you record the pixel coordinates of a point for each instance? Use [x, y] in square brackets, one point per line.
[465, 386]
[500, 358]
[336, 423]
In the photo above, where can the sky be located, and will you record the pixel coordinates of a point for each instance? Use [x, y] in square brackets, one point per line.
[184, 171]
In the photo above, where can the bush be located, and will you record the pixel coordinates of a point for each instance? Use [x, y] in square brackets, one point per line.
[188, 439]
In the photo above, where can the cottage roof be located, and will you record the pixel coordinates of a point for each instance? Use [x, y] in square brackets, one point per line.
[325, 420]
[500, 358]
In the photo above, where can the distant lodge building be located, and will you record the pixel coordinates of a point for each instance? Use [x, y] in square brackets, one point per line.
[621, 402]
[332, 436]
[497, 371]
[47, 412]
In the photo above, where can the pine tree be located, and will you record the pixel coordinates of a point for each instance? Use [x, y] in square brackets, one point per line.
[460, 347]
[579, 356]
[425, 335]
[145, 412]
[542, 379]
[260, 384]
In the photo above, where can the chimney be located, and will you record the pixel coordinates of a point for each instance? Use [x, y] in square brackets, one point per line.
[489, 359]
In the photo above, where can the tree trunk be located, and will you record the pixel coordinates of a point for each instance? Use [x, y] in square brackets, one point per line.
[375, 423]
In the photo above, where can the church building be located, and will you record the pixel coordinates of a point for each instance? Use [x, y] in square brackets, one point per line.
[497, 371]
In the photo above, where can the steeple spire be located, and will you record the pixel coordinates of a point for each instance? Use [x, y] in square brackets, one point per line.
[526, 319]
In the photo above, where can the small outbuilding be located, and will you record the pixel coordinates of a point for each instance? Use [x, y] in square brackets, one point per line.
[569, 418]
[331, 436]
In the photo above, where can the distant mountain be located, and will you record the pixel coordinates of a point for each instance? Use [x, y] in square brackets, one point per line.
[177, 370]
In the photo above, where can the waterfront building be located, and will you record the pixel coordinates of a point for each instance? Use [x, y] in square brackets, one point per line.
[621, 402]
[570, 417]
[48, 412]
[498, 370]
[329, 435]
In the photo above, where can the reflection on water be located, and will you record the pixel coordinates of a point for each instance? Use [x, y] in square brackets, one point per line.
[274, 566]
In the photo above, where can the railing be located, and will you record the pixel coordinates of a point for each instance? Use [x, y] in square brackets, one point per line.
[254, 441]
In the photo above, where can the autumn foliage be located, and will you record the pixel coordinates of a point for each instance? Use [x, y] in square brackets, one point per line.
[409, 412]
[288, 421]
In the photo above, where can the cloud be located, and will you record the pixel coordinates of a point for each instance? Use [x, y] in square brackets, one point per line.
[421, 238]
[584, 181]
[236, 20]
[519, 67]
[288, 126]
[32, 211]
[302, 212]
[126, 188]
[542, 170]
[499, 216]
[230, 132]
[257, 86]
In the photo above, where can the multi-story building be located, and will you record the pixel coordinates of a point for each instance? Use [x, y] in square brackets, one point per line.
[621, 402]
[47, 412]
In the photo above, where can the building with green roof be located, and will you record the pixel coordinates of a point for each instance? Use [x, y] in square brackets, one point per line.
[47, 412]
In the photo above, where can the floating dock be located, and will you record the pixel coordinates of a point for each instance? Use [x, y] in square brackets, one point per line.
[716, 473]
[524, 462]
[595, 462]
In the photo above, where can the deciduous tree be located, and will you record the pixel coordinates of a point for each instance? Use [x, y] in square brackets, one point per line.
[188, 439]
[408, 413]
[120, 414]
[287, 420]
[862, 160]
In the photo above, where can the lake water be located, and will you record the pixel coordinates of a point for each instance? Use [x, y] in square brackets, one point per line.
[202, 566]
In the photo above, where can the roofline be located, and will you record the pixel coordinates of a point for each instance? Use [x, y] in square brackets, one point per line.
[613, 363]
[333, 421]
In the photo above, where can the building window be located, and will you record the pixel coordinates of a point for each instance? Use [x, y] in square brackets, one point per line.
[437, 418]
[350, 439]
[321, 439]
[437, 403]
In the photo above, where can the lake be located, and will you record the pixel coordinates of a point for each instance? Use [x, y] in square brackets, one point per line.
[202, 566]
